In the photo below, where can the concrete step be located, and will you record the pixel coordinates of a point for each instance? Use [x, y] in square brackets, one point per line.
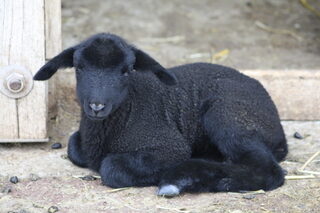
[296, 93]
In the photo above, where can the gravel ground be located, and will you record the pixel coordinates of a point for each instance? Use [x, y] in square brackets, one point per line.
[175, 32]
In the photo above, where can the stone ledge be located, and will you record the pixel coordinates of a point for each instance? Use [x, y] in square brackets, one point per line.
[296, 93]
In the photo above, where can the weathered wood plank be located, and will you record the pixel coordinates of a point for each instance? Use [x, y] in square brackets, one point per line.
[32, 109]
[52, 27]
[8, 111]
[26, 48]
[53, 41]
[8, 117]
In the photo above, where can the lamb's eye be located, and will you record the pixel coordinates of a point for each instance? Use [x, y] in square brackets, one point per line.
[125, 71]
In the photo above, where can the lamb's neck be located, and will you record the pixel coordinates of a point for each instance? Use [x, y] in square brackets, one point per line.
[120, 115]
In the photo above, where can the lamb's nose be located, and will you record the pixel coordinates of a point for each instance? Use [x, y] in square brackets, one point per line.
[96, 107]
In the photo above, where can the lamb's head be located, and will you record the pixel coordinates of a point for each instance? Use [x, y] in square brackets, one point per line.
[103, 64]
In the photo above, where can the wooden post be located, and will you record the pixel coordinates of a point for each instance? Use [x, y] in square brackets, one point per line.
[23, 31]
[53, 41]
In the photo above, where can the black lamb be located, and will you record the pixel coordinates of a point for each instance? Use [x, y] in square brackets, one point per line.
[193, 128]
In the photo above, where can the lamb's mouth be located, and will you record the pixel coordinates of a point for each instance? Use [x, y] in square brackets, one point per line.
[97, 118]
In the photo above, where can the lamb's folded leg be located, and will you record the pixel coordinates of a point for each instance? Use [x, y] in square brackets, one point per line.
[130, 169]
[199, 175]
[74, 150]
[144, 167]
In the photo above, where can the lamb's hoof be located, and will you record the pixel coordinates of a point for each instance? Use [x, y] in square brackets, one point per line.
[168, 191]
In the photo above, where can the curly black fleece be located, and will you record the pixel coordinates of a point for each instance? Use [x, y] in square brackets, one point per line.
[214, 130]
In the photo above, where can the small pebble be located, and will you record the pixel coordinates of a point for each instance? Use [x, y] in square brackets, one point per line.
[297, 26]
[248, 196]
[34, 177]
[37, 206]
[56, 146]
[88, 178]
[6, 189]
[64, 156]
[14, 179]
[249, 4]
[53, 209]
[297, 135]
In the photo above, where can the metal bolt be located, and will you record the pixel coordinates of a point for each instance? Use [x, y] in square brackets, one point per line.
[15, 82]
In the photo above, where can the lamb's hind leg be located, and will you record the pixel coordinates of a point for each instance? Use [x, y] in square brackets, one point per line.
[250, 164]
[253, 170]
[74, 150]
[241, 134]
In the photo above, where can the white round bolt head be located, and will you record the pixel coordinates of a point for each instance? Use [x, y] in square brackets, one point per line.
[15, 82]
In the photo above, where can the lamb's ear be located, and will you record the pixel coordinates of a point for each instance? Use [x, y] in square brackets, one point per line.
[63, 60]
[145, 63]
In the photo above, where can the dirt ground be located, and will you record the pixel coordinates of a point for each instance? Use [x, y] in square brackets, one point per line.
[174, 32]
[179, 31]
[59, 184]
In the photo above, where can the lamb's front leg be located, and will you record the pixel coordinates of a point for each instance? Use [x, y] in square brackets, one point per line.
[144, 167]
[130, 169]
[74, 150]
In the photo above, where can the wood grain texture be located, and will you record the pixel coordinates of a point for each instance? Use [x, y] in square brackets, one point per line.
[32, 109]
[53, 42]
[52, 27]
[23, 41]
[8, 117]
[8, 109]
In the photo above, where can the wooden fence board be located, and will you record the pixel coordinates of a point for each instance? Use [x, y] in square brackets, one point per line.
[23, 43]
[32, 109]
[52, 27]
[53, 42]
[8, 111]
